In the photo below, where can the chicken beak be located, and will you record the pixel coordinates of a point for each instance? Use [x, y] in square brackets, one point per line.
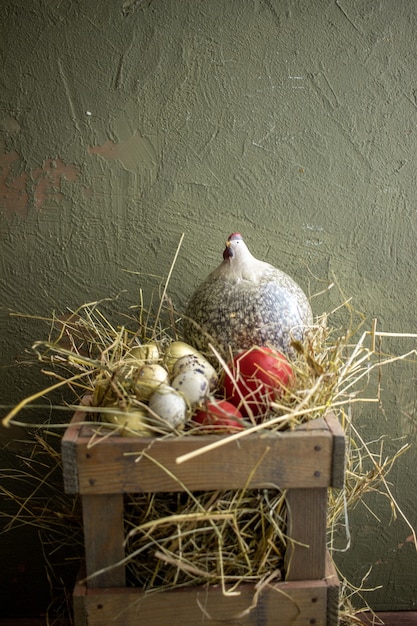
[228, 251]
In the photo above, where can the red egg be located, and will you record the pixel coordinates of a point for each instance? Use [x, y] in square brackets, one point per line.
[219, 416]
[260, 375]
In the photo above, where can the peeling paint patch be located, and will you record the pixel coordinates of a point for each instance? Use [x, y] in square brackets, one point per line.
[20, 189]
[134, 153]
[409, 539]
[13, 186]
[48, 180]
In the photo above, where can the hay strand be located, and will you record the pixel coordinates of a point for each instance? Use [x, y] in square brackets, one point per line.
[218, 537]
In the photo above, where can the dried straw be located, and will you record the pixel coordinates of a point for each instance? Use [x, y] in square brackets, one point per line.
[224, 537]
[32, 495]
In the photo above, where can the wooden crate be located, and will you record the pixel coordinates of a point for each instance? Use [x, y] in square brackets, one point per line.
[305, 462]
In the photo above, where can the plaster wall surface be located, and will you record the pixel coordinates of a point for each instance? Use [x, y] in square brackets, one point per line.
[125, 124]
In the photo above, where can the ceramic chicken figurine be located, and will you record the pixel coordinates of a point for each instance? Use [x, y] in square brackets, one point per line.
[246, 302]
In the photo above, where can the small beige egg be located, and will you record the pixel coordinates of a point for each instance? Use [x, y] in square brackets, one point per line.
[169, 405]
[196, 363]
[193, 385]
[176, 350]
[148, 379]
[103, 394]
[146, 353]
[134, 422]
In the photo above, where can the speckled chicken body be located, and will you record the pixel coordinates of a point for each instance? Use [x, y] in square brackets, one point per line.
[246, 302]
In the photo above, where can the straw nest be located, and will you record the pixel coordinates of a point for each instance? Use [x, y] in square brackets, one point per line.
[226, 537]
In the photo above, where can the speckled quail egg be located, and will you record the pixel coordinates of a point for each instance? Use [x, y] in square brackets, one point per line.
[193, 385]
[169, 405]
[196, 363]
[176, 350]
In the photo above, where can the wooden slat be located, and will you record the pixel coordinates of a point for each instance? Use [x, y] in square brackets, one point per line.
[306, 552]
[289, 459]
[389, 618]
[296, 603]
[103, 538]
[69, 454]
[339, 450]
[33, 621]
[333, 590]
[79, 604]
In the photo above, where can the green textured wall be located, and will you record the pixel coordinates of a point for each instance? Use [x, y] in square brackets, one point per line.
[124, 124]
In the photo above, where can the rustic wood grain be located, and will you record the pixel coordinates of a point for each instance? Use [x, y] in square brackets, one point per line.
[339, 450]
[34, 621]
[333, 588]
[78, 603]
[388, 618]
[103, 538]
[305, 557]
[69, 455]
[296, 603]
[301, 458]
[299, 461]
